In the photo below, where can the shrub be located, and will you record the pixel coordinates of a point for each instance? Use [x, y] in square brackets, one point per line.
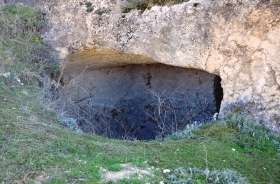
[186, 133]
[88, 4]
[195, 4]
[240, 122]
[68, 122]
[260, 137]
[135, 4]
[100, 12]
[89, 9]
[245, 125]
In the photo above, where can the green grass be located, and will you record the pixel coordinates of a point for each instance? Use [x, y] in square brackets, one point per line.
[21, 11]
[35, 147]
[22, 48]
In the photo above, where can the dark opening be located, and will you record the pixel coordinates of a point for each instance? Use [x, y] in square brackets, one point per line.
[218, 92]
[141, 102]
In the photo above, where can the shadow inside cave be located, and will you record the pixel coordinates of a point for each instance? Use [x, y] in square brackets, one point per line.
[141, 102]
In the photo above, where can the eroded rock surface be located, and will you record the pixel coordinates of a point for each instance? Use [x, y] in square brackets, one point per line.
[237, 40]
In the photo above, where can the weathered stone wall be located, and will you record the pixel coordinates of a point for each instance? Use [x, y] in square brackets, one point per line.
[236, 39]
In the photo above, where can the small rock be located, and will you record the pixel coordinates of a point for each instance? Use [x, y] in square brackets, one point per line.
[190, 10]
[166, 171]
[143, 172]
[24, 92]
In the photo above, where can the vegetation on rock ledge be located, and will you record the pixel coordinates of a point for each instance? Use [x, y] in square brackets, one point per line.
[148, 4]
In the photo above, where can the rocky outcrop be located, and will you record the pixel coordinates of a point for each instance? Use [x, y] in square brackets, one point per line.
[239, 40]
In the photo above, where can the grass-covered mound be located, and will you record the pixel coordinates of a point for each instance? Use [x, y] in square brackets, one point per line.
[35, 147]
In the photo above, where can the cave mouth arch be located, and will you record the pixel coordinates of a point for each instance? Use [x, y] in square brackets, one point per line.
[139, 101]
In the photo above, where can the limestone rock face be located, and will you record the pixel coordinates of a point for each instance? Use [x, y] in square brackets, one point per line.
[237, 40]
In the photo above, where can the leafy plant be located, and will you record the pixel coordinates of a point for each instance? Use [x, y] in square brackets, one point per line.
[195, 4]
[187, 133]
[68, 122]
[88, 4]
[100, 12]
[126, 9]
[89, 9]
[135, 4]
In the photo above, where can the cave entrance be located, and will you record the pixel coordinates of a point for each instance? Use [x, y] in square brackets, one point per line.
[140, 101]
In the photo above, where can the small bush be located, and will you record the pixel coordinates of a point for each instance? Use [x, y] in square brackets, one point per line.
[187, 133]
[68, 122]
[100, 12]
[89, 9]
[245, 125]
[136, 4]
[195, 4]
[46, 62]
[260, 139]
[240, 122]
[88, 4]
[126, 9]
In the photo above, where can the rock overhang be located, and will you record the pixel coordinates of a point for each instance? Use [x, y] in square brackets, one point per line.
[92, 59]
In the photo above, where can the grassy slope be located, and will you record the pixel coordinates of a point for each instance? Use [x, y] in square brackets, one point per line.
[35, 147]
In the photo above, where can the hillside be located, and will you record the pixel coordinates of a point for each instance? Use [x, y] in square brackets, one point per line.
[36, 148]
